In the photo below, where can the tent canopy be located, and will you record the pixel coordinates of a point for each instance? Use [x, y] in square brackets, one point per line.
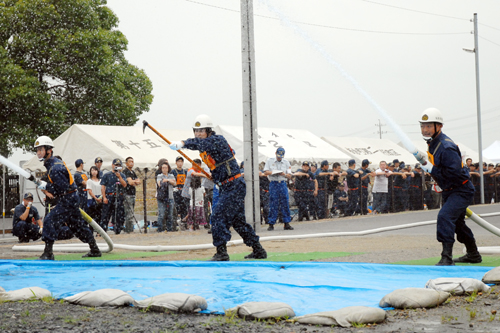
[493, 152]
[375, 150]
[300, 145]
[109, 142]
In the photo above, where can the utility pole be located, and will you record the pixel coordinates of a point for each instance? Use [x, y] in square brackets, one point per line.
[250, 135]
[379, 125]
[478, 104]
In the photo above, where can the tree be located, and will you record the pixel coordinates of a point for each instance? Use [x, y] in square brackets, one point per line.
[62, 62]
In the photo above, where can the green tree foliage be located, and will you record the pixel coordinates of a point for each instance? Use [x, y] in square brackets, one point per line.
[62, 63]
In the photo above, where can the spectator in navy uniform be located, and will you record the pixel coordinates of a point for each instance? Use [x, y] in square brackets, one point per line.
[303, 179]
[98, 164]
[81, 183]
[489, 184]
[66, 212]
[323, 175]
[278, 170]
[475, 178]
[396, 164]
[313, 206]
[27, 224]
[112, 189]
[415, 190]
[398, 184]
[365, 182]
[353, 185]
[340, 199]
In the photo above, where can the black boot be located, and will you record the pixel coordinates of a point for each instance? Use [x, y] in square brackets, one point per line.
[446, 255]
[221, 254]
[257, 253]
[94, 250]
[288, 227]
[47, 252]
[472, 256]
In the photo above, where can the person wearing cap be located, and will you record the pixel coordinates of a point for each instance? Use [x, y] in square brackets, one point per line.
[27, 224]
[340, 199]
[353, 179]
[445, 165]
[98, 164]
[381, 188]
[180, 174]
[396, 164]
[61, 185]
[323, 176]
[81, 183]
[302, 191]
[129, 200]
[279, 170]
[398, 186]
[113, 186]
[415, 189]
[230, 207]
[365, 183]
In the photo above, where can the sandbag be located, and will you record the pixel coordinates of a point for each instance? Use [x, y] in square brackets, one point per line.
[492, 276]
[262, 310]
[411, 298]
[102, 297]
[175, 302]
[457, 286]
[344, 317]
[24, 294]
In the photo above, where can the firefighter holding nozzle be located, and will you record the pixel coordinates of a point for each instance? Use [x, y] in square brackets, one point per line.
[446, 167]
[67, 212]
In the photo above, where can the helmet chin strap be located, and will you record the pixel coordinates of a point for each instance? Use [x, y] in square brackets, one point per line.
[47, 155]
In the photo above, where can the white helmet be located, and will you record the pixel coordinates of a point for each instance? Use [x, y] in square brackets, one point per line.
[203, 121]
[432, 115]
[44, 141]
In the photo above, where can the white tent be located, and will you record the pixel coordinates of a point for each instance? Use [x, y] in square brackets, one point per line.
[375, 150]
[300, 145]
[493, 152]
[465, 150]
[109, 142]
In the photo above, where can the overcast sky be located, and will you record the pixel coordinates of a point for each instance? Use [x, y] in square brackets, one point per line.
[406, 55]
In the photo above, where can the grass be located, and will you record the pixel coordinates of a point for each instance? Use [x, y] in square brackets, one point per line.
[488, 261]
[289, 256]
[109, 256]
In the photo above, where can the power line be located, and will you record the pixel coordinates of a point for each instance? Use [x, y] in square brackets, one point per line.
[338, 28]
[416, 11]
[489, 41]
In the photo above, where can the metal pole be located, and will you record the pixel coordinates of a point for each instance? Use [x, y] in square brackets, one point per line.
[478, 101]
[3, 200]
[250, 135]
[144, 200]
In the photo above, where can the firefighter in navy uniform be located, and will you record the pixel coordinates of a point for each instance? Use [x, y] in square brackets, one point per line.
[113, 186]
[66, 211]
[446, 167]
[230, 208]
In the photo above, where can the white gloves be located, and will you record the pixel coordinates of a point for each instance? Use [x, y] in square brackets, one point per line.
[40, 230]
[29, 204]
[427, 167]
[176, 145]
[42, 185]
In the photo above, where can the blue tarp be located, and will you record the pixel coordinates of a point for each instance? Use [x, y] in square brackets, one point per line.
[307, 287]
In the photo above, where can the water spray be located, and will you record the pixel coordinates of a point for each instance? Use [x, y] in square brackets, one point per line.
[20, 171]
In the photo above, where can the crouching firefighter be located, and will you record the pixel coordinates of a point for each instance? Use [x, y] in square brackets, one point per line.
[446, 167]
[62, 186]
[230, 209]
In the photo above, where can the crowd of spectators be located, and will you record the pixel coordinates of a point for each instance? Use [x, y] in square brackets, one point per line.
[185, 196]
